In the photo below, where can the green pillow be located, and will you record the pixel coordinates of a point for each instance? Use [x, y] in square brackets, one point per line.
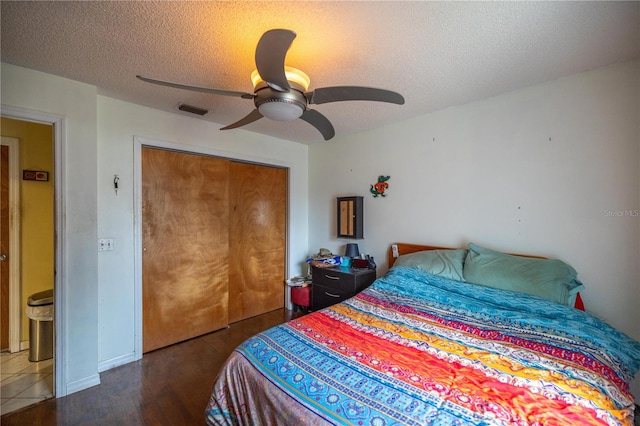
[548, 278]
[445, 263]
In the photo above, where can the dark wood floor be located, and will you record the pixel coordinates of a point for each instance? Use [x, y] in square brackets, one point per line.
[169, 386]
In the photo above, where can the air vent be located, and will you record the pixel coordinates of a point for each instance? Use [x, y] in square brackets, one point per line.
[192, 109]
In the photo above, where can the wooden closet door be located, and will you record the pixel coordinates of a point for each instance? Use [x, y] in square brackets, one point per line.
[4, 247]
[257, 239]
[185, 226]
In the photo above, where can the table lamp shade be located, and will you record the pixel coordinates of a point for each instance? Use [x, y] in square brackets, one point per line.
[352, 250]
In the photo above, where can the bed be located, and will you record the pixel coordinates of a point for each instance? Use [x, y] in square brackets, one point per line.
[425, 344]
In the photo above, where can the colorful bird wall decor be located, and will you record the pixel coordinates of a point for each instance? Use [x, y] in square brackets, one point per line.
[379, 187]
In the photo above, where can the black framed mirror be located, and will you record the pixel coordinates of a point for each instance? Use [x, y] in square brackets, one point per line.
[350, 217]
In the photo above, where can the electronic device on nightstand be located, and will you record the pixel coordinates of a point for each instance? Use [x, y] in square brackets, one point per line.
[360, 263]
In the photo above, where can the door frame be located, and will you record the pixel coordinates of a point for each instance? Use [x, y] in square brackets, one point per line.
[14, 242]
[138, 143]
[60, 313]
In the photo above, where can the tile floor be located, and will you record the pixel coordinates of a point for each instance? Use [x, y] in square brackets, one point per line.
[23, 382]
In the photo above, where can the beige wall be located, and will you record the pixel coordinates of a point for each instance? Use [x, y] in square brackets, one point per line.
[36, 207]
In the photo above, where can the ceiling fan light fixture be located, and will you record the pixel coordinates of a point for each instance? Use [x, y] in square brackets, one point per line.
[294, 75]
[281, 109]
[284, 95]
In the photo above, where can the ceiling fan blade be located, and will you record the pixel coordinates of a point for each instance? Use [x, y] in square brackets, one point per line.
[320, 122]
[253, 116]
[270, 54]
[197, 89]
[324, 95]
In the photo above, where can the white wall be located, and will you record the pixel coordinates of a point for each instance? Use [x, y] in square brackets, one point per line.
[118, 123]
[552, 169]
[76, 102]
[532, 171]
[99, 326]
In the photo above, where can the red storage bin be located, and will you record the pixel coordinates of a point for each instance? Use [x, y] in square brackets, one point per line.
[301, 296]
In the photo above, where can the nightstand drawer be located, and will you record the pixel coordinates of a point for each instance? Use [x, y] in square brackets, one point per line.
[324, 296]
[332, 278]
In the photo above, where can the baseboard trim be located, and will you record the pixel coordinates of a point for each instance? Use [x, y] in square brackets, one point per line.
[116, 362]
[82, 384]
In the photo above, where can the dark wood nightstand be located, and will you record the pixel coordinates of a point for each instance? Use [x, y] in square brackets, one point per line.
[333, 285]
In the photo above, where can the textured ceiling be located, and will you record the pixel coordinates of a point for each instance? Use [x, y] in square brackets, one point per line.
[437, 54]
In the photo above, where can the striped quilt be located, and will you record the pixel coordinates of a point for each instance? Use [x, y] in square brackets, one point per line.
[418, 349]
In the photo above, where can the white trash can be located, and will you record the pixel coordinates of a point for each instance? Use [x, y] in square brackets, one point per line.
[40, 313]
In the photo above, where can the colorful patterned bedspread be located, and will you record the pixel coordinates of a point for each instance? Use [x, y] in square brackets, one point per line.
[418, 349]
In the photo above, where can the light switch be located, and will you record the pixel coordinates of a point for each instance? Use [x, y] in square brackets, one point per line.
[105, 244]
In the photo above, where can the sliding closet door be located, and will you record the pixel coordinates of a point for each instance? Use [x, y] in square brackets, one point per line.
[4, 247]
[185, 225]
[257, 239]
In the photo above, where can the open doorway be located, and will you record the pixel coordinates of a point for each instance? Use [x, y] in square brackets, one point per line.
[27, 260]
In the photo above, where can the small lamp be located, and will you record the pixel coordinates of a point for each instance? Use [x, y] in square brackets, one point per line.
[352, 251]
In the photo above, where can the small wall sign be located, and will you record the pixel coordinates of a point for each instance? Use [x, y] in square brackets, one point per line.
[35, 175]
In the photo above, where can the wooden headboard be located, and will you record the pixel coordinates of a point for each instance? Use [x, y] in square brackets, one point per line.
[404, 248]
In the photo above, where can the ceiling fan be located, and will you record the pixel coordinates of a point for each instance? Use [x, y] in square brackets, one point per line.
[280, 92]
